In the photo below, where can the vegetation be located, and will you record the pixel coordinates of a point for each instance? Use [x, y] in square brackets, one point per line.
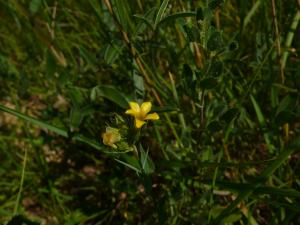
[149, 112]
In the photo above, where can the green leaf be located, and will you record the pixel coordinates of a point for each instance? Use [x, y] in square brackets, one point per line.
[77, 115]
[110, 93]
[281, 158]
[147, 164]
[284, 192]
[192, 33]
[138, 82]
[145, 20]
[131, 163]
[76, 95]
[215, 41]
[262, 123]
[259, 114]
[188, 79]
[34, 6]
[251, 13]
[161, 12]
[123, 12]
[239, 187]
[285, 88]
[175, 16]
[88, 56]
[113, 51]
[285, 103]
[35, 121]
[231, 219]
[54, 129]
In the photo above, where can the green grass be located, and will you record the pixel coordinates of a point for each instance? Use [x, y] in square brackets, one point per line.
[223, 76]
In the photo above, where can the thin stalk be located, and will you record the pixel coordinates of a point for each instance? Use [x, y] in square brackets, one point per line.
[290, 37]
[173, 129]
[211, 199]
[277, 40]
[21, 183]
[175, 95]
[202, 98]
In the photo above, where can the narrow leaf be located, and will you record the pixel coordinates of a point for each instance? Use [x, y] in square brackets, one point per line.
[35, 121]
[145, 20]
[110, 93]
[259, 114]
[175, 16]
[281, 158]
[161, 12]
[146, 162]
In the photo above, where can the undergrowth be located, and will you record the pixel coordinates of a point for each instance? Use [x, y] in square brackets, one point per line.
[149, 112]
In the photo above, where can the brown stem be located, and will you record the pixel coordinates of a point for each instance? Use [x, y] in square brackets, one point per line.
[133, 51]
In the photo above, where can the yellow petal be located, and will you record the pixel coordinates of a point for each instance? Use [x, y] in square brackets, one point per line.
[106, 138]
[111, 136]
[139, 123]
[145, 108]
[131, 112]
[134, 109]
[134, 106]
[152, 116]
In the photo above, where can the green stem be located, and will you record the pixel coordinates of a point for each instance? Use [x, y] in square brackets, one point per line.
[21, 183]
[290, 37]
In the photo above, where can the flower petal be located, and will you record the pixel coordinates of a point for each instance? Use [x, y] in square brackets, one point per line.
[131, 112]
[106, 138]
[145, 108]
[152, 116]
[134, 109]
[139, 123]
[134, 106]
[111, 136]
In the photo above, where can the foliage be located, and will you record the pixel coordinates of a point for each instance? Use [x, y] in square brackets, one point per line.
[223, 76]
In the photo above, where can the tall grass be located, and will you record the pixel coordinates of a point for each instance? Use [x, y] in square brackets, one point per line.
[222, 76]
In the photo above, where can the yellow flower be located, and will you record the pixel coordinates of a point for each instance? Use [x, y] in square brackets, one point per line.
[111, 136]
[140, 113]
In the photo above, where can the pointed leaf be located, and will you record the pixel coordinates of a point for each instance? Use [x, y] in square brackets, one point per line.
[161, 12]
[110, 93]
[146, 162]
[175, 16]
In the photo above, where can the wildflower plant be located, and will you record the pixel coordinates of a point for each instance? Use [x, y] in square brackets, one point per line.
[141, 113]
[122, 139]
[220, 147]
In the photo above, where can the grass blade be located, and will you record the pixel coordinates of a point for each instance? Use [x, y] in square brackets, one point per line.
[262, 123]
[54, 129]
[281, 158]
[34, 121]
[161, 12]
[176, 16]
